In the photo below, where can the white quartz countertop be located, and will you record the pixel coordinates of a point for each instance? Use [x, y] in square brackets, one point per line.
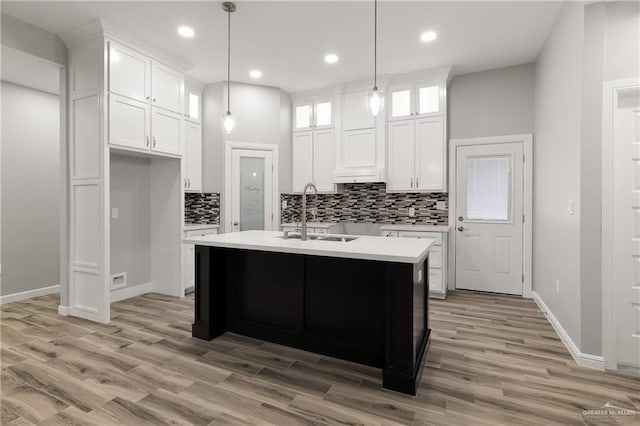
[196, 226]
[402, 250]
[424, 228]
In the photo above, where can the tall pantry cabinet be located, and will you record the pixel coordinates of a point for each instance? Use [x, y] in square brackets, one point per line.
[126, 100]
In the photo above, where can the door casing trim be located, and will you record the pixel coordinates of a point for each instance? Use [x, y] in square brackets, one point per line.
[611, 91]
[226, 196]
[527, 198]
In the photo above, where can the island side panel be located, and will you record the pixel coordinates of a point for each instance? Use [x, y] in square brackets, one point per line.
[406, 330]
[211, 282]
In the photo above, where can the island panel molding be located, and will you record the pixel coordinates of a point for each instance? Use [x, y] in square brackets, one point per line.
[369, 203]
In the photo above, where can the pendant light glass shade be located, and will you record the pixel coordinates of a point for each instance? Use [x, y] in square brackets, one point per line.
[228, 120]
[375, 101]
[228, 123]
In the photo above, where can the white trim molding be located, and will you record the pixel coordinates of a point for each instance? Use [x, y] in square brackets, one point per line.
[611, 91]
[527, 198]
[29, 294]
[594, 362]
[65, 311]
[130, 291]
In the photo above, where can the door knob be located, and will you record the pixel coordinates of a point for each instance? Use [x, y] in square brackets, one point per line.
[235, 223]
[460, 228]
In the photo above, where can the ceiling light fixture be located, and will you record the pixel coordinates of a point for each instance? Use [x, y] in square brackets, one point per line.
[428, 36]
[186, 32]
[331, 58]
[375, 98]
[255, 73]
[228, 120]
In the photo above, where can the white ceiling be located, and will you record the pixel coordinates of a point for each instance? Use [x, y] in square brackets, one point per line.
[288, 40]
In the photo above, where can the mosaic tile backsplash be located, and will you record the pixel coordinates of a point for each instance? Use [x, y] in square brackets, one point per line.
[369, 203]
[202, 208]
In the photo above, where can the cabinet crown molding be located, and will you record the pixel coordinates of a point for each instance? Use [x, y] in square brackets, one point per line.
[442, 73]
[99, 28]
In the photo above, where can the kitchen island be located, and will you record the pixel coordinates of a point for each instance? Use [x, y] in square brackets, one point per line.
[362, 299]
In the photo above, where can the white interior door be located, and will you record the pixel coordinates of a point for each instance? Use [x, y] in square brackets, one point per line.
[626, 229]
[489, 219]
[251, 190]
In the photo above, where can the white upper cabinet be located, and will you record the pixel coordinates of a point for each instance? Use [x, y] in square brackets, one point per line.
[323, 113]
[166, 87]
[302, 116]
[192, 157]
[129, 73]
[166, 132]
[192, 105]
[430, 154]
[417, 149]
[354, 112]
[302, 160]
[323, 158]
[129, 122]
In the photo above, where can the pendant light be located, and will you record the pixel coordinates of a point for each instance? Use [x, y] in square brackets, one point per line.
[375, 98]
[228, 120]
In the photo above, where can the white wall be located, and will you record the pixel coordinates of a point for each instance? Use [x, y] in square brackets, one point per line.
[30, 189]
[557, 144]
[131, 231]
[492, 103]
[23, 36]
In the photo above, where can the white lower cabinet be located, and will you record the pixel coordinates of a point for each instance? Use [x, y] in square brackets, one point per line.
[189, 257]
[437, 257]
[314, 227]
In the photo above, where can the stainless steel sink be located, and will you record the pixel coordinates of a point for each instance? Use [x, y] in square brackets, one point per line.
[325, 237]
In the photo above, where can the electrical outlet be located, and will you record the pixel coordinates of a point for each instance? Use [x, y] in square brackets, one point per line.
[557, 286]
[412, 211]
[284, 204]
[314, 212]
[441, 205]
[114, 213]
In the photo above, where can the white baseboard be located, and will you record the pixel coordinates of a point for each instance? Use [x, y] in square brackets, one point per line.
[64, 310]
[131, 291]
[15, 297]
[595, 362]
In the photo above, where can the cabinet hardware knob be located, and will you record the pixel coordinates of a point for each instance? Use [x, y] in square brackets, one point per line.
[189, 183]
[235, 223]
[460, 228]
[147, 140]
[154, 141]
[412, 182]
[460, 218]
[417, 185]
[154, 99]
[147, 98]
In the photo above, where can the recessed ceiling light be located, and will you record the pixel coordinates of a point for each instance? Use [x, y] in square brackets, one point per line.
[255, 73]
[428, 36]
[186, 32]
[331, 58]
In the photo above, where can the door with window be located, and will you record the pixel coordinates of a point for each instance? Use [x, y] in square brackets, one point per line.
[489, 217]
[252, 190]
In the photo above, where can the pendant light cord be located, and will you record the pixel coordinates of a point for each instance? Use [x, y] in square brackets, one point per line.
[228, 60]
[375, 44]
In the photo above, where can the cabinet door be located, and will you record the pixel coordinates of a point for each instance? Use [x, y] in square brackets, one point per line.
[323, 159]
[302, 160]
[401, 155]
[323, 113]
[401, 103]
[354, 112]
[166, 130]
[129, 73]
[359, 148]
[431, 154]
[192, 106]
[429, 98]
[128, 122]
[193, 156]
[302, 116]
[166, 87]
[436, 283]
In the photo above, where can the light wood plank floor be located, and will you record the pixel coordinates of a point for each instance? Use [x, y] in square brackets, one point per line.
[493, 360]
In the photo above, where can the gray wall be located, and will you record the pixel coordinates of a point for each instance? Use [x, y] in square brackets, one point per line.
[492, 103]
[131, 232]
[31, 39]
[557, 142]
[30, 189]
[263, 115]
[611, 51]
